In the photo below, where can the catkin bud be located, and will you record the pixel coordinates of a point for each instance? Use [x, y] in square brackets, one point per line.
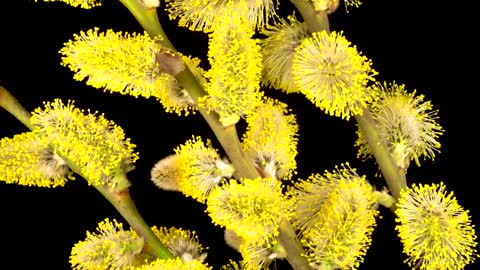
[169, 61]
[150, 3]
[164, 173]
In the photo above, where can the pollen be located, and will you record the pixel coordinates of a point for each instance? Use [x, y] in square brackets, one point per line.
[257, 256]
[182, 243]
[278, 50]
[335, 213]
[174, 264]
[199, 168]
[175, 97]
[252, 209]
[406, 123]
[436, 232]
[271, 139]
[28, 161]
[205, 15]
[333, 75]
[129, 64]
[111, 247]
[233, 81]
[233, 265]
[94, 144]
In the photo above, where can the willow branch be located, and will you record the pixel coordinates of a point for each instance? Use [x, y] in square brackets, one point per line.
[317, 21]
[227, 137]
[288, 239]
[148, 19]
[9, 103]
[119, 197]
[395, 179]
[124, 204]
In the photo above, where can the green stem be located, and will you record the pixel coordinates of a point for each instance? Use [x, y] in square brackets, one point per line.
[244, 167]
[396, 180]
[147, 17]
[124, 204]
[292, 246]
[9, 103]
[316, 21]
[119, 196]
[227, 136]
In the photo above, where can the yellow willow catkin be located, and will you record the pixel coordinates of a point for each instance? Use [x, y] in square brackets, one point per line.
[94, 144]
[252, 209]
[165, 173]
[406, 123]
[336, 216]
[206, 15]
[27, 160]
[234, 77]
[257, 256]
[333, 75]
[199, 168]
[436, 232]
[129, 64]
[175, 264]
[278, 50]
[182, 243]
[111, 247]
[271, 139]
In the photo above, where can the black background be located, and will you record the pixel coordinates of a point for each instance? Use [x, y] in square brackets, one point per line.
[428, 46]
